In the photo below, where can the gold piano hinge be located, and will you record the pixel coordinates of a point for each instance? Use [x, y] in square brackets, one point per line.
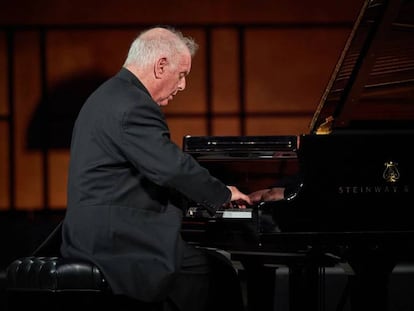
[325, 127]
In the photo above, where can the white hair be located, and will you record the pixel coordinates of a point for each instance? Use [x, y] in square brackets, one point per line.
[153, 42]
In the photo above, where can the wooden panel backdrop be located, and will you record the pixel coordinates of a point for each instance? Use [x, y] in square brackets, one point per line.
[260, 70]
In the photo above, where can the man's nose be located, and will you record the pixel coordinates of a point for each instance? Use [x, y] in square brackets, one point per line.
[182, 84]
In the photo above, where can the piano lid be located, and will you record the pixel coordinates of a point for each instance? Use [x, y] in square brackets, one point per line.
[372, 85]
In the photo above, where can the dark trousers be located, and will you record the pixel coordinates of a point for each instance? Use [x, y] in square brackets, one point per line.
[207, 282]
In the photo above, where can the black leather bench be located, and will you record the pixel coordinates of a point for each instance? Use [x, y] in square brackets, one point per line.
[46, 281]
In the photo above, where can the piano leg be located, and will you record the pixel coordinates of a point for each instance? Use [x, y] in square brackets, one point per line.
[260, 285]
[304, 289]
[369, 285]
[306, 282]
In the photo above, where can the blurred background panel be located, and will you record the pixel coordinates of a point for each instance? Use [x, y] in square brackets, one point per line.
[4, 168]
[27, 89]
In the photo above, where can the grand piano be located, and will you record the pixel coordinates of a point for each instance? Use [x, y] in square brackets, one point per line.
[348, 183]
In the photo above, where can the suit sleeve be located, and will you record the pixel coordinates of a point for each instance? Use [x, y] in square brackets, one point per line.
[146, 143]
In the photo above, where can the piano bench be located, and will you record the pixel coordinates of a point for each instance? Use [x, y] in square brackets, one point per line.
[55, 283]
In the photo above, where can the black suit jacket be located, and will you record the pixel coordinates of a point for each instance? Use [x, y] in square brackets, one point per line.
[122, 169]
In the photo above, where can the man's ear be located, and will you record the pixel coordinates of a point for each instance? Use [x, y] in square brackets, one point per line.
[160, 67]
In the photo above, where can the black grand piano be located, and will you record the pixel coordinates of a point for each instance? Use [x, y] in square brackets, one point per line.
[349, 182]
